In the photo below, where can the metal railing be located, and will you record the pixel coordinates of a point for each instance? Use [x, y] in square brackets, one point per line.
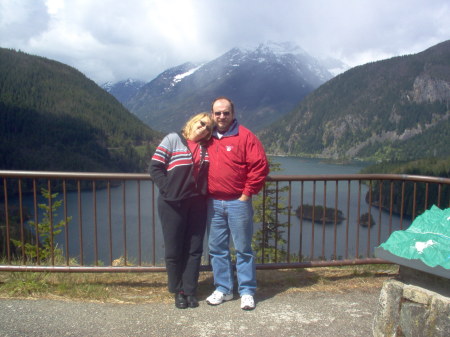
[106, 222]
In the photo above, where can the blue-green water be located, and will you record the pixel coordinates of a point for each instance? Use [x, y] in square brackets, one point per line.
[93, 227]
[327, 240]
[296, 165]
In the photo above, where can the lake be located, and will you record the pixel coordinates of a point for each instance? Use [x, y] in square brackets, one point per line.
[124, 221]
[359, 240]
[301, 166]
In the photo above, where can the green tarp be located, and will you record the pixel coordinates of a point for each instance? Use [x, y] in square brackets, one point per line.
[427, 239]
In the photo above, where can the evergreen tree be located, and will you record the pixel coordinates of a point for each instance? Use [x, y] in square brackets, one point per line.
[269, 241]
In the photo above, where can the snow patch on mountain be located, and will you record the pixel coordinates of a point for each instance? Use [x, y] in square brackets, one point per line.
[107, 86]
[128, 83]
[179, 77]
[132, 82]
[276, 48]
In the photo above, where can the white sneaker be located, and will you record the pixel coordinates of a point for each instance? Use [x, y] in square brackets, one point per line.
[247, 302]
[218, 297]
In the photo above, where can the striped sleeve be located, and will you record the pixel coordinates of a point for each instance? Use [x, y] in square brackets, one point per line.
[162, 154]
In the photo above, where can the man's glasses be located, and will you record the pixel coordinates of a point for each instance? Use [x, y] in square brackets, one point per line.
[225, 113]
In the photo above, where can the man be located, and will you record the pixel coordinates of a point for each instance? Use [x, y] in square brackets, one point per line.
[238, 169]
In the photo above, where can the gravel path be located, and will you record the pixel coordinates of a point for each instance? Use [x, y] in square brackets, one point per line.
[287, 314]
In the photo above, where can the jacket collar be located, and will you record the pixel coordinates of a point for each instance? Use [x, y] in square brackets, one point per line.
[232, 131]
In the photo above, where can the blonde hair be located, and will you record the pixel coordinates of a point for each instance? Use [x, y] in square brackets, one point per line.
[187, 128]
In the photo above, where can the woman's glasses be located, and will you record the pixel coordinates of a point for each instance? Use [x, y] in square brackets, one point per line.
[202, 123]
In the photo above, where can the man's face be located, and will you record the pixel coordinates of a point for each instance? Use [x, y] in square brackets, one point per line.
[222, 115]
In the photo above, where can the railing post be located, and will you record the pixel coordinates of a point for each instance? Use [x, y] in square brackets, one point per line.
[123, 223]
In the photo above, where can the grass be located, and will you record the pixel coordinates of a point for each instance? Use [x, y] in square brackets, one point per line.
[152, 287]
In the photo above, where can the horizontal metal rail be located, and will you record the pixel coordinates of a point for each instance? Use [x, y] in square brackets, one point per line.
[108, 222]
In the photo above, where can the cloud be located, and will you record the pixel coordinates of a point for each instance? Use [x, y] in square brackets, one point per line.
[19, 20]
[114, 40]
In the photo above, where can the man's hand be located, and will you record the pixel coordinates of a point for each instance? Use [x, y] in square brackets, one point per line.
[244, 198]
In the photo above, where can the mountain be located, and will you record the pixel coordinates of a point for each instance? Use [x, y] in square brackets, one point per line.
[334, 66]
[123, 90]
[54, 118]
[265, 83]
[395, 109]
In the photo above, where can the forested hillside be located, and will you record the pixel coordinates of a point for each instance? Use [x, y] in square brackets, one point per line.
[391, 110]
[436, 167]
[52, 117]
[425, 194]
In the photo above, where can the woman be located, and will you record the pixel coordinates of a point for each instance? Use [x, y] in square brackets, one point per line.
[179, 168]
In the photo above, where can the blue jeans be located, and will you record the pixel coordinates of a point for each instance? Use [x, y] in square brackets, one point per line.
[231, 218]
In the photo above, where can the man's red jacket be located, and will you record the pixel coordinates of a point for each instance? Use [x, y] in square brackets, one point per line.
[238, 164]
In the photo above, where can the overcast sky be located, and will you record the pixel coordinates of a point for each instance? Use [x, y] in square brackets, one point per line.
[111, 40]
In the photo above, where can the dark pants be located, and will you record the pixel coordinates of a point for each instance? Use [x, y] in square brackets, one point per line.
[183, 224]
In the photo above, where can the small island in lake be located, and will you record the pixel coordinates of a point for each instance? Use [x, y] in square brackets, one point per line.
[306, 212]
[364, 220]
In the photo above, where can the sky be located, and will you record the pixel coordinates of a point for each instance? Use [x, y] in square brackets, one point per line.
[110, 40]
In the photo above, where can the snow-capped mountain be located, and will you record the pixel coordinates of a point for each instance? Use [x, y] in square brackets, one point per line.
[286, 50]
[265, 83]
[123, 90]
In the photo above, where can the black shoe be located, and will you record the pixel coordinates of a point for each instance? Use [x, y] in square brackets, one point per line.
[192, 301]
[180, 301]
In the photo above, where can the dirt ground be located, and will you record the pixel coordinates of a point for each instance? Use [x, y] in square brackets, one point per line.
[152, 287]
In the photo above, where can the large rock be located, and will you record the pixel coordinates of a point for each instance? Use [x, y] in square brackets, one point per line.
[410, 310]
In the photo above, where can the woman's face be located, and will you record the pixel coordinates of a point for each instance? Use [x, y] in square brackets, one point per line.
[200, 129]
